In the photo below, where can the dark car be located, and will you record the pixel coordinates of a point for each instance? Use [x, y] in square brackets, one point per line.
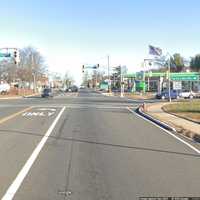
[47, 92]
[72, 89]
[174, 94]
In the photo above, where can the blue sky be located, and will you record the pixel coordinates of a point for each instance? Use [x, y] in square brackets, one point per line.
[76, 32]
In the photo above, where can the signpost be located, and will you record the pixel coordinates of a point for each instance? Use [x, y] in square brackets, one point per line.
[185, 77]
[177, 85]
[140, 76]
[5, 55]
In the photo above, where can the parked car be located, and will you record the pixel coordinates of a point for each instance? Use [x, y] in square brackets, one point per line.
[47, 92]
[4, 88]
[187, 94]
[72, 89]
[82, 87]
[174, 94]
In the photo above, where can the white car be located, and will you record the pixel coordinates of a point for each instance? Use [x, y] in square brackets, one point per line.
[187, 94]
[4, 88]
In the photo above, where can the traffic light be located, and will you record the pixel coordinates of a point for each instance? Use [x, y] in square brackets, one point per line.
[97, 65]
[15, 56]
[83, 68]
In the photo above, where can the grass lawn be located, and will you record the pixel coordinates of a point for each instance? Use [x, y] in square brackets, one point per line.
[147, 95]
[187, 109]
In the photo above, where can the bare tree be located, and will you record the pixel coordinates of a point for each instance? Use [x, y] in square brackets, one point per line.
[68, 80]
[31, 62]
[8, 71]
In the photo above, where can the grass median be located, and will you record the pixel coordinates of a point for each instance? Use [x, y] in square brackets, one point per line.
[187, 109]
[147, 95]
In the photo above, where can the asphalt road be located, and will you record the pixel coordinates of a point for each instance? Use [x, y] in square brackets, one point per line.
[86, 146]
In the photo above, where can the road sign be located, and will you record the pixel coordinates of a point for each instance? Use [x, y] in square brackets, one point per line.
[5, 55]
[184, 77]
[177, 85]
[123, 69]
[140, 76]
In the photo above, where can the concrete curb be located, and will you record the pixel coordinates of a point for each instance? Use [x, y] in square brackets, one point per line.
[108, 94]
[10, 98]
[192, 136]
[31, 95]
[156, 121]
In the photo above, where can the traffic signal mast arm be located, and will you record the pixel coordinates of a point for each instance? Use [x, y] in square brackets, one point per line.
[7, 54]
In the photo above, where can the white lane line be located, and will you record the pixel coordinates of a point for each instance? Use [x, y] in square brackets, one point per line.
[10, 193]
[168, 132]
[98, 107]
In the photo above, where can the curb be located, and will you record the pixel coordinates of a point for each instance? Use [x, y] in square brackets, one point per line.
[108, 94]
[162, 124]
[195, 137]
[11, 98]
[31, 95]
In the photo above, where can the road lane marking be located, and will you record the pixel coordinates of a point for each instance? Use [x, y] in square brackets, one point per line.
[47, 109]
[41, 112]
[38, 114]
[30, 114]
[10, 193]
[168, 132]
[14, 115]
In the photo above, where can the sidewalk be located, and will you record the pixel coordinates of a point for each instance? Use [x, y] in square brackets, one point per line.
[183, 126]
[9, 97]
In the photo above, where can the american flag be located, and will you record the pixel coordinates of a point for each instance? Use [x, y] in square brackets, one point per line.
[156, 51]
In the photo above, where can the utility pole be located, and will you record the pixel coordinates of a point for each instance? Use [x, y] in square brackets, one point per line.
[109, 83]
[96, 80]
[169, 86]
[34, 72]
[34, 82]
[121, 82]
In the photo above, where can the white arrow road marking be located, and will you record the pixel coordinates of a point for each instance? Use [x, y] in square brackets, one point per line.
[50, 113]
